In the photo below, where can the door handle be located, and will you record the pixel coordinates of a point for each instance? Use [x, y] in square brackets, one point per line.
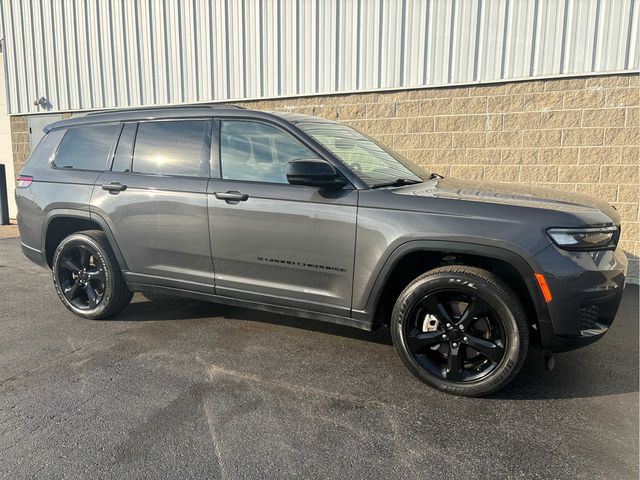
[231, 197]
[114, 187]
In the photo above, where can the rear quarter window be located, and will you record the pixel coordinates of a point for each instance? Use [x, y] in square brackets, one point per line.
[45, 149]
[86, 148]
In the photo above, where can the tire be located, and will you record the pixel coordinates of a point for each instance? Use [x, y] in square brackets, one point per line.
[99, 291]
[441, 353]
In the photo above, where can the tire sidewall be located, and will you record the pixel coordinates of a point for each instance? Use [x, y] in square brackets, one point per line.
[81, 239]
[501, 375]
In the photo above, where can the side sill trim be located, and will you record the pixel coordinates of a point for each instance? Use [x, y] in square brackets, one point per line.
[209, 297]
[143, 278]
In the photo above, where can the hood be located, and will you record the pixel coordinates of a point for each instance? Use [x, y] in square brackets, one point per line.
[509, 194]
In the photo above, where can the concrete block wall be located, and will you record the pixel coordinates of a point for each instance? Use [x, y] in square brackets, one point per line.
[574, 134]
[19, 141]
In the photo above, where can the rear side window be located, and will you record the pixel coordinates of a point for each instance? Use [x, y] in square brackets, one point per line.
[86, 148]
[179, 147]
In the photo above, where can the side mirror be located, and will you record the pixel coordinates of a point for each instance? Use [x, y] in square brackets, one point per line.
[314, 172]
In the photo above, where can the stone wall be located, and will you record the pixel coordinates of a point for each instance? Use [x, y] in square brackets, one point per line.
[20, 141]
[578, 134]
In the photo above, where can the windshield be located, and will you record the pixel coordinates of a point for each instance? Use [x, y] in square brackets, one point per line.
[375, 165]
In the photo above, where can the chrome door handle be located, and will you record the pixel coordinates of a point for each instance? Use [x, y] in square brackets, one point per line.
[114, 187]
[232, 197]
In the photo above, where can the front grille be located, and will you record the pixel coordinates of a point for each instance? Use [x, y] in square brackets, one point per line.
[589, 316]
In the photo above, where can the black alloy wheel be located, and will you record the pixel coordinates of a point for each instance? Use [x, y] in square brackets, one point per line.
[87, 276]
[456, 336]
[460, 329]
[81, 276]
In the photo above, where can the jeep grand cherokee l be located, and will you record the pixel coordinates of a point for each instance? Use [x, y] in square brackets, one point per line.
[304, 216]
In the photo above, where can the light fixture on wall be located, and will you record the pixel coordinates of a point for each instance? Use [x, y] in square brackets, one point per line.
[43, 103]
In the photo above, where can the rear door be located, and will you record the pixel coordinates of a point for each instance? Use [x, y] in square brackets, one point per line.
[273, 242]
[154, 200]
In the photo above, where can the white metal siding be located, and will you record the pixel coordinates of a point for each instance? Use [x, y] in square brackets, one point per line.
[82, 54]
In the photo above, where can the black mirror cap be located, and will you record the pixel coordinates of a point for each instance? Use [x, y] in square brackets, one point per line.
[314, 172]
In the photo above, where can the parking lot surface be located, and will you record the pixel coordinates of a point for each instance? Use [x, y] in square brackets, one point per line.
[176, 388]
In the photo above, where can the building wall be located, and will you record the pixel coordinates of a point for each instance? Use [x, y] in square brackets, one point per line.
[6, 155]
[580, 134]
[82, 55]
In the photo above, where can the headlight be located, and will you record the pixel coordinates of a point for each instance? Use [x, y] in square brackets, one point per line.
[599, 238]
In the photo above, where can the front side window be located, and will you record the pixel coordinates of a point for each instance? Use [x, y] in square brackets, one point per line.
[176, 147]
[86, 148]
[374, 164]
[257, 152]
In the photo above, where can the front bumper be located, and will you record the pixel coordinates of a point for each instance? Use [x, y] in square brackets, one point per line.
[587, 289]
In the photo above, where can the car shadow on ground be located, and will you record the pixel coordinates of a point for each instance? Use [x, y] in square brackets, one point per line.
[607, 367]
[165, 308]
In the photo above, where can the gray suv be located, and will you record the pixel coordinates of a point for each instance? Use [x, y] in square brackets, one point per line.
[303, 216]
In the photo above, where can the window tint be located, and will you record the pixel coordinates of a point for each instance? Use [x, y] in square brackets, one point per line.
[86, 148]
[257, 152]
[122, 158]
[372, 163]
[46, 148]
[178, 147]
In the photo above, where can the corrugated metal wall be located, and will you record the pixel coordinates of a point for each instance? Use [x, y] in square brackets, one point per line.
[87, 54]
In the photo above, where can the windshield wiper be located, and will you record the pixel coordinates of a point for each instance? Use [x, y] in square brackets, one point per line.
[395, 183]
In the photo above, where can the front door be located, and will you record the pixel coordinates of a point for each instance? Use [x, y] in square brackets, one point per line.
[273, 242]
[155, 202]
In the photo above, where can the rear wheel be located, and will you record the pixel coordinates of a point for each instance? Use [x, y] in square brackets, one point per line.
[87, 277]
[461, 330]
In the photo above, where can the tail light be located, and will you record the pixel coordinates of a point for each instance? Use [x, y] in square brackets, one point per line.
[24, 181]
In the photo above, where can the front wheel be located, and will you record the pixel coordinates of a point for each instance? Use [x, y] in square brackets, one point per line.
[460, 329]
[87, 277]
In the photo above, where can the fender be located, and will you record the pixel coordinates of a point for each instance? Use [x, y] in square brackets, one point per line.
[58, 213]
[523, 267]
[84, 215]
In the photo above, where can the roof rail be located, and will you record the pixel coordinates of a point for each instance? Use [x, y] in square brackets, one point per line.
[163, 107]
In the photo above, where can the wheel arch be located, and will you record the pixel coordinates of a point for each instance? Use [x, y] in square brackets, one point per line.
[416, 257]
[60, 223]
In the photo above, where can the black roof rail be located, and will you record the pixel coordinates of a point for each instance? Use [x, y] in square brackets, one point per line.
[165, 107]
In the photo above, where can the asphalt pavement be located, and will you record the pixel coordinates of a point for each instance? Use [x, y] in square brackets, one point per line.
[176, 388]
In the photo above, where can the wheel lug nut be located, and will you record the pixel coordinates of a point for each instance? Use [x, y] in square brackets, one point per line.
[461, 327]
[444, 337]
[455, 344]
[465, 339]
[448, 325]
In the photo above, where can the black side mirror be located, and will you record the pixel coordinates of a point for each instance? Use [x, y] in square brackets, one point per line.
[314, 172]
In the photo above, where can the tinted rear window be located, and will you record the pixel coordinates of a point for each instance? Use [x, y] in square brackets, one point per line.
[178, 147]
[46, 148]
[86, 148]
